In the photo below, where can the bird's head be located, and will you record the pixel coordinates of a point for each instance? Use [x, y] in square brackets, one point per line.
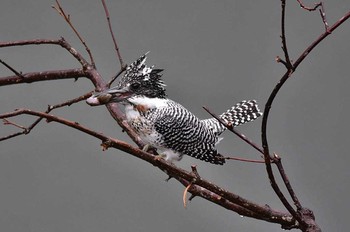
[138, 81]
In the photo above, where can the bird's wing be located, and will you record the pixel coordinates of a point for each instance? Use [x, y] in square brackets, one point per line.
[184, 133]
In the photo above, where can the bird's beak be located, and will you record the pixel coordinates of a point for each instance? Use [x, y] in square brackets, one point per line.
[107, 96]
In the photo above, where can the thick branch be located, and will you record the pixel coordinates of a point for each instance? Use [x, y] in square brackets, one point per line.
[87, 71]
[62, 42]
[43, 76]
[201, 187]
[285, 220]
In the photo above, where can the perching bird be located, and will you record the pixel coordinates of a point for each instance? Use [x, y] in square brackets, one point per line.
[165, 124]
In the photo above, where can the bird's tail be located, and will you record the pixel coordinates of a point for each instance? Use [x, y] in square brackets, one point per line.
[242, 112]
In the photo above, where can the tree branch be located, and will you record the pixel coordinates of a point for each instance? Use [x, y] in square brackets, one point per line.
[61, 42]
[116, 47]
[236, 132]
[11, 69]
[287, 61]
[66, 17]
[201, 187]
[27, 130]
[43, 76]
[276, 159]
[197, 186]
[321, 10]
[303, 223]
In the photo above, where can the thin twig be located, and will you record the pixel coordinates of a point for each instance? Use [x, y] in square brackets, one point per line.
[321, 9]
[194, 171]
[244, 160]
[280, 60]
[302, 5]
[230, 128]
[284, 176]
[70, 102]
[323, 16]
[318, 40]
[8, 122]
[117, 75]
[116, 47]
[287, 61]
[66, 17]
[27, 130]
[11, 136]
[11, 69]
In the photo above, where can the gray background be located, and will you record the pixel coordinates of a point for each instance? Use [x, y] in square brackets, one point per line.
[214, 54]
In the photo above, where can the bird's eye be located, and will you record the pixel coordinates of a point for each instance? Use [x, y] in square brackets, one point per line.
[135, 86]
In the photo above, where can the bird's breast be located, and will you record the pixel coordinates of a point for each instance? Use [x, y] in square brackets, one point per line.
[136, 118]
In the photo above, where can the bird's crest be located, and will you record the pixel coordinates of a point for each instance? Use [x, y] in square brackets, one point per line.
[145, 75]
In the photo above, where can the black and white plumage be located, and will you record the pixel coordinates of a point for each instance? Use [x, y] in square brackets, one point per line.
[165, 124]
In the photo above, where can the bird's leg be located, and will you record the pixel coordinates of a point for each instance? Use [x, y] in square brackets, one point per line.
[149, 147]
[161, 156]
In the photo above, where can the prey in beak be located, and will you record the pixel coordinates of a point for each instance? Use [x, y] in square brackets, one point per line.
[139, 81]
[108, 96]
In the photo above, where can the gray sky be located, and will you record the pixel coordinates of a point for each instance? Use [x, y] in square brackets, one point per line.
[214, 54]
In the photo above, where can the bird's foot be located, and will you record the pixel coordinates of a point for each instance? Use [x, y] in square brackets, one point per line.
[160, 157]
[149, 147]
[146, 147]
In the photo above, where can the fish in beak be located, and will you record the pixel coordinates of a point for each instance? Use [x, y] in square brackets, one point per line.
[108, 96]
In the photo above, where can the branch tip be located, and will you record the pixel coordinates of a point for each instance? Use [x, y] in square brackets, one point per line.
[116, 47]
[194, 171]
[67, 18]
[169, 178]
[123, 68]
[321, 9]
[106, 144]
[244, 160]
[191, 197]
[19, 74]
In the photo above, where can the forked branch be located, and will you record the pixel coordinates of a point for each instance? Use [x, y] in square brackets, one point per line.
[200, 187]
[66, 17]
[300, 218]
[305, 219]
[320, 7]
[61, 42]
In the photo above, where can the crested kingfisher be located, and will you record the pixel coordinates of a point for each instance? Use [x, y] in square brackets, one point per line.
[165, 124]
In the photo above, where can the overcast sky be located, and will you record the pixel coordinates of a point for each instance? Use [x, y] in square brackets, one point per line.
[215, 53]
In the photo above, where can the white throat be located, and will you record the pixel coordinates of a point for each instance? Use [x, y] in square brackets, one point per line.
[149, 103]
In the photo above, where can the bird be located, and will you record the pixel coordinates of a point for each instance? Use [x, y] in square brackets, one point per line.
[166, 125]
